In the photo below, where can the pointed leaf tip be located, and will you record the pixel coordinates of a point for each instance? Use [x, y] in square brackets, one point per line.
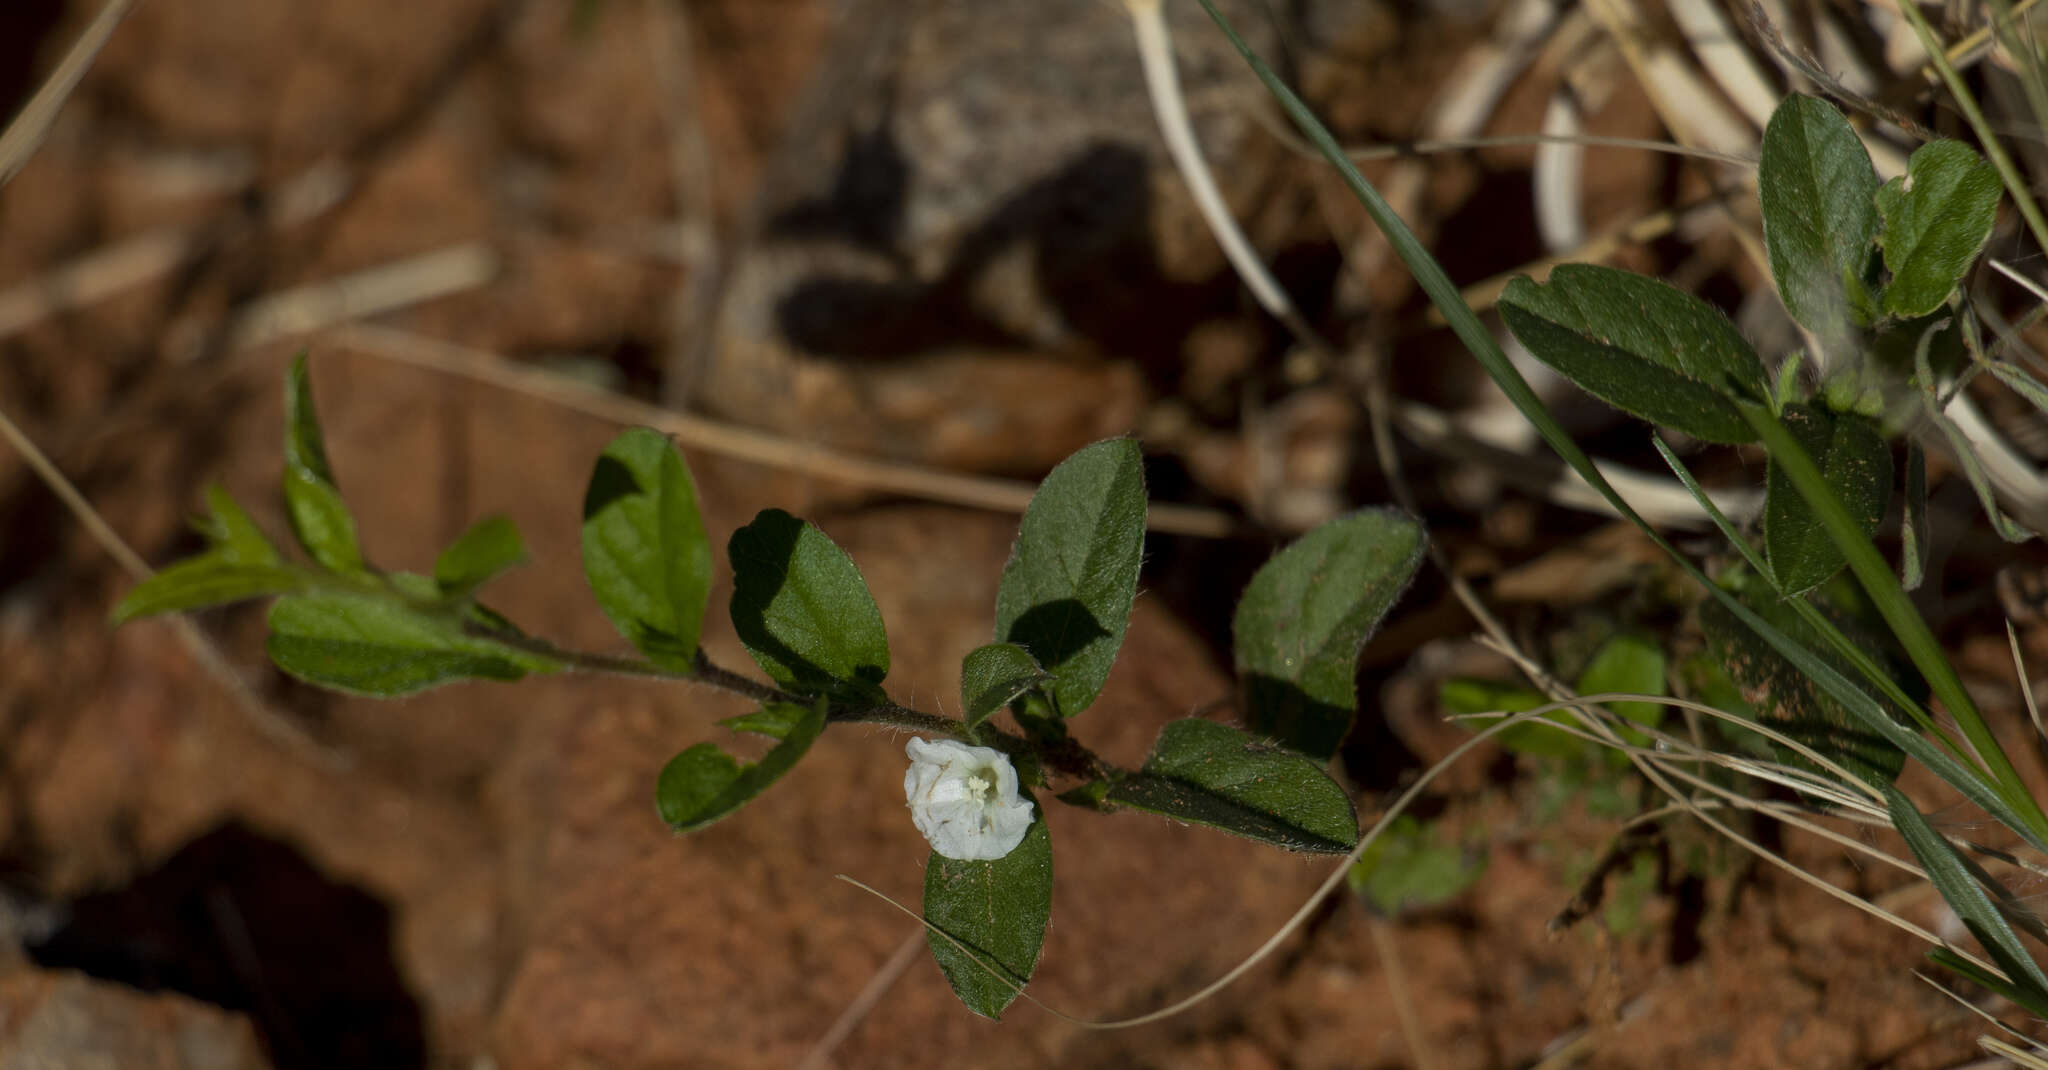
[1210, 774]
[319, 516]
[999, 911]
[803, 611]
[1067, 590]
[645, 552]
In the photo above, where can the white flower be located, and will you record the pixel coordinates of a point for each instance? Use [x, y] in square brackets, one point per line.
[964, 799]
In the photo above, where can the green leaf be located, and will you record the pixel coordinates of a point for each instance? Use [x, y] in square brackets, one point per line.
[1791, 702]
[644, 548]
[1952, 878]
[998, 910]
[319, 517]
[370, 645]
[803, 611]
[1205, 773]
[235, 538]
[1411, 866]
[704, 783]
[1628, 664]
[489, 547]
[1815, 184]
[206, 580]
[1639, 345]
[776, 721]
[992, 676]
[1306, 614]
[1066, 592]
[1851, 452]
[1937, 217]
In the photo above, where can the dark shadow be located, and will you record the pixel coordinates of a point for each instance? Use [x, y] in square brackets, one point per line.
[1281, 709]
[1688, 893]
[762, 554]
[1056, 631]
[610, 481]
[25, 29]
[1493, 231]
[865, 204]
[865, 318]
[1088, 231]
[245, 922]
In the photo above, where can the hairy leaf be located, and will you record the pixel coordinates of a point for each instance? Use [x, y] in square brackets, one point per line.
[1067, 590]
[999, 911]
[1937, 217]
[804, 612]
[644, 548]
[1791, 702]
[489, 547]
[704, 783]
[1628, 664]
[1412, 865]
[1306, 614]
[1209, 774]
[367, 644]
[1815, 183]
[235, 538]
[993, 675]
[206, 580]
[1639, 345]
[1851, 452]
[1466, 696]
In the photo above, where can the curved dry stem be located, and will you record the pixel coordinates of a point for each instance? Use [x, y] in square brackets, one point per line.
[740, 443]
[26, 131]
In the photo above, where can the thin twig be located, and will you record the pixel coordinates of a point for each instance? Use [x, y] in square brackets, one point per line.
[29, 126]
[93, 277]
[745, 444]
[1421, 1054]
[864, 1003]
[383, 288]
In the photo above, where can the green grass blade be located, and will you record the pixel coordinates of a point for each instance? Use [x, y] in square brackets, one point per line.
[1720, 519]
[1806, 610]
[1892, 604]
[1949, 875]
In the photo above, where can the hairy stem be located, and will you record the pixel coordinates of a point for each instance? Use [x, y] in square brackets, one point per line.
[1065, 757]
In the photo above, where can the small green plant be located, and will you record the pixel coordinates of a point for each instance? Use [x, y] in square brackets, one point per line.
[1872, 271]
[802, 610]
[1835, 677]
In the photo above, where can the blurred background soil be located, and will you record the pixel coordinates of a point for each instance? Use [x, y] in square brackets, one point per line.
[943, 234]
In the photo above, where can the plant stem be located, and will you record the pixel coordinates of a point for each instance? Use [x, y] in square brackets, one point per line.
[1068, 757]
